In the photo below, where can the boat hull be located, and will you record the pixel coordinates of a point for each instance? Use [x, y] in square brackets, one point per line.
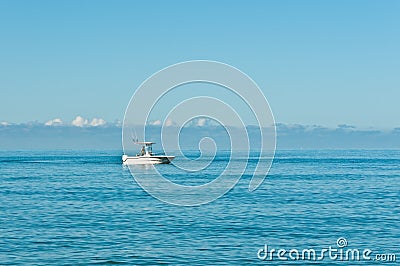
[132, 160]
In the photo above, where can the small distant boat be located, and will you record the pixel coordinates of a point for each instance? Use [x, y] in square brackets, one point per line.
[146, 156]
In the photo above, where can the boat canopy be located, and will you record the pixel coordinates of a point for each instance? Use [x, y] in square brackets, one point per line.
[145, 143]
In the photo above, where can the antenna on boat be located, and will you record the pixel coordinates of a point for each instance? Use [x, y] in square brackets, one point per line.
[134, 139]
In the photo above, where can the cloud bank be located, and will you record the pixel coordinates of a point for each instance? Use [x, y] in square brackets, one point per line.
[78, 121]
[96, 133]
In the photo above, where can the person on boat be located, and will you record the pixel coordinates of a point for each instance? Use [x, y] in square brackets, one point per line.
[142, 152]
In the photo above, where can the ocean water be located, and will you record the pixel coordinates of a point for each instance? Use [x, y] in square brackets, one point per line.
[84, 207]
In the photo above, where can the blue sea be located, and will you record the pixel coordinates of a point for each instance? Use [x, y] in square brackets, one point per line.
[84, 207]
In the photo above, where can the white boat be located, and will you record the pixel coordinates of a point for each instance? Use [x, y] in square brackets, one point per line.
[146, 156]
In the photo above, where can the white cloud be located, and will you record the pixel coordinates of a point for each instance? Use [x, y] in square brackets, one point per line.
[54, 122]
[79, 121]
[97, 122]
[169, 122]
[155, 123]
[201, 122]
[117, 123]
[4, 123]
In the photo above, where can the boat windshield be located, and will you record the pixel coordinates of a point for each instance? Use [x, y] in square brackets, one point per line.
[149, 149]
[146, 149]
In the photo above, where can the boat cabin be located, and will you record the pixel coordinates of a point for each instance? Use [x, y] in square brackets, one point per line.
[147, 149]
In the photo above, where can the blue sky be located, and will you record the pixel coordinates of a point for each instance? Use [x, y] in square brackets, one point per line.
[318, 62]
